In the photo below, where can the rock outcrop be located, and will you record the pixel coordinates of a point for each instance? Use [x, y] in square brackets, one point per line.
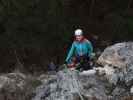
[17, 86]
[112, 81]
[118, 59]
[117, 62]
[70, 85]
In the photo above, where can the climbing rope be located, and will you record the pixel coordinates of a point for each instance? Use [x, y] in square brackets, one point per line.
[75, 81]
[76, 84]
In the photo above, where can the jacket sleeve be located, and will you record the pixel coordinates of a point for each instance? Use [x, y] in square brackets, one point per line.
[90, 48]
[70, 54]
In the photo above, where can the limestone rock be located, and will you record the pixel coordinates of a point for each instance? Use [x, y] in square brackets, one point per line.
[119, 58]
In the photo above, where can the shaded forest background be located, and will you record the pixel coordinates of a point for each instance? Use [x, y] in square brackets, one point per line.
[35, 32]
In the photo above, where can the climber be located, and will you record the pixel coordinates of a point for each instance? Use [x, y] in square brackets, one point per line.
[81, 49]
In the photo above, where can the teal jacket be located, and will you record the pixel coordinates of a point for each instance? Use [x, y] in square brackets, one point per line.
[79, 48]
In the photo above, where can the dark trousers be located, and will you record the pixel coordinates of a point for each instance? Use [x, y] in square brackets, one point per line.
[84, 62]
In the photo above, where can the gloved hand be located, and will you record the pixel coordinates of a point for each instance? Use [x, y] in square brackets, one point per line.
[65, 62]
[92, 55]
[71, 65]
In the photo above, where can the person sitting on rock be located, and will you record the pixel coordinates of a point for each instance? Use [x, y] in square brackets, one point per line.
[81, 49]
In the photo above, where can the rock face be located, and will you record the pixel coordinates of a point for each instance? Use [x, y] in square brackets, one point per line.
[119, 59]
[11, 85]
[70, 85]
[131, 90]
[119, 55]
[17, 86]
[117, 62]
[112, 81]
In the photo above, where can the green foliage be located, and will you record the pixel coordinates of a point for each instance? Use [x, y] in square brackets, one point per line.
[36, 83]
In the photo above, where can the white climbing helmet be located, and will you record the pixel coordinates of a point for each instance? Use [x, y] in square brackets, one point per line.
[78, 32]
